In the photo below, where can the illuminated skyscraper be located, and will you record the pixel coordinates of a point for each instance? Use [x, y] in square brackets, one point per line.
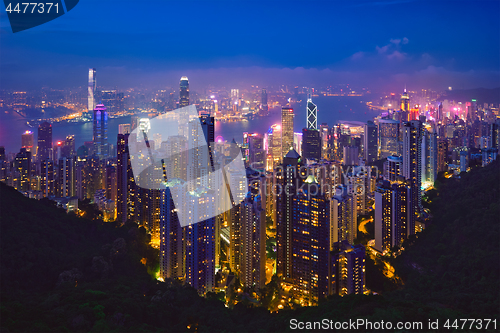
[347, 269]
[273, 139]
[442, 163]
[393, 215]
[27, 141]
[184, 92]
[264, 105]
[388, 130]
[91, 90]
[312, 114]
[343, 216]
[429, 156]
[405, 102]
[311, 144]
[370, 142]
[253, 234]
[22, 165]
[412, 166]
[325, 142]
[101, 131]
[68, 149]
[256, 152]
[286, 130]
[47, 181]
[287, 177]
[65, 182]
[44, 141]
[310, 242]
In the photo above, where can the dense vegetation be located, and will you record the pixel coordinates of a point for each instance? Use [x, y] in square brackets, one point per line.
[63, 273]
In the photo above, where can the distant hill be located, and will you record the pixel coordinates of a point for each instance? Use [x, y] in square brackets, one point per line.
[482, 95]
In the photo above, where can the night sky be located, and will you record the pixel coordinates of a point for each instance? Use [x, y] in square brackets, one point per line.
[381, 44]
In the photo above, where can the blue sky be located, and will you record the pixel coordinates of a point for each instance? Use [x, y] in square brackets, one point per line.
[379, 43]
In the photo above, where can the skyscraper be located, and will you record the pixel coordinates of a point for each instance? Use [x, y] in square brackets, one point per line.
[343, 216]
[100, 138]
[27, 141]
[393, 215]
[405, 102]
[311, 242]
[286, 130]
[184, 92]
[325, 142]
[91, 90]
[370, 142]
[264, 106]
[312, 114]
[442, 164]
[347, 269]
[311, 144]
[429, 156]
[412, 166]
[273, 139]
[388, 130]
[287, 177]
[44, 141]
[22, 165]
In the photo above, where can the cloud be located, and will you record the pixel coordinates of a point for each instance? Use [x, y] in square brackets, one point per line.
[396, 55]
[405, 40]
[357, 55]
[383, 49]
[395, 41]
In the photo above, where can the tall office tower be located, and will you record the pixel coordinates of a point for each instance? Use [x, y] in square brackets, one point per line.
[125, 183]
[200, 241]
[274, 147]
[100, 138]
[393, 215]
[358, 186]
[65, 181]
[184, 92]
[22, 164]
[286, 130]
[405, 102]
[393, 168]
[176, 165]
[495, 134]
[325, 148]
[343, 216]
[311, 144]
[253, 241]
[429, 156]
[351, 155]
[312, 114]
[47, 178]
[68, 147]
[412, 166]
[111, 188]
[388, 133]
[442, 158]
[44, 141]
[171, 238]
[27, 141]
[440, 115]
[256, 152]
[297, 142]
[287, 177]
[91, 90]
[235, 96]
[264, 106]
[311, 242]
[347, 269]
[370, 142]
[208, 127]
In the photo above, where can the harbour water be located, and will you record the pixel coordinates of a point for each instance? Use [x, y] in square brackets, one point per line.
[330, 111]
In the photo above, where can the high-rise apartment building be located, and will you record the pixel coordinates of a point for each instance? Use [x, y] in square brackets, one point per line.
[286, 130]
